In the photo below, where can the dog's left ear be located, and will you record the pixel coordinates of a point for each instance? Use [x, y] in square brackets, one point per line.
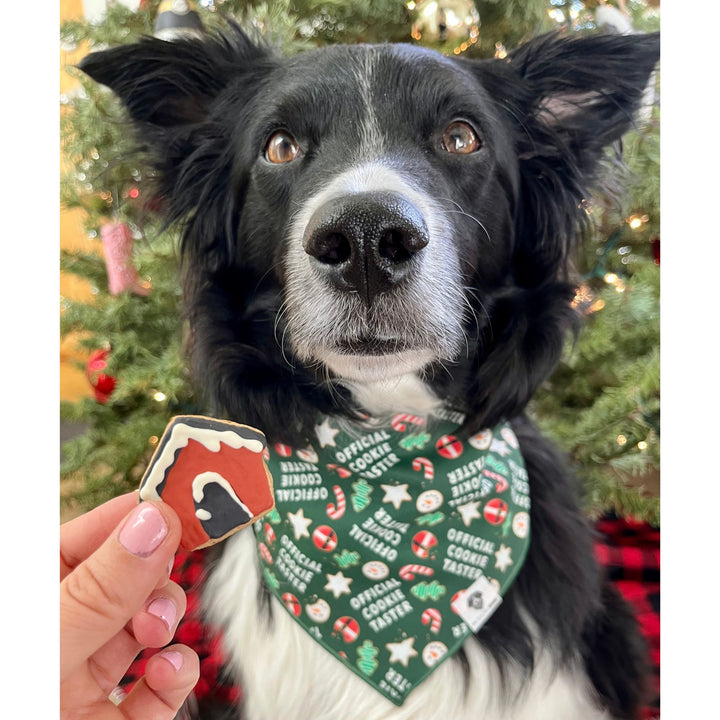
[565, 100]
[585, 89]
[568, 98]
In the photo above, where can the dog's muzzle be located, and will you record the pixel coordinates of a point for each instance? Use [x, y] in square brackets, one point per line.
[365, 242]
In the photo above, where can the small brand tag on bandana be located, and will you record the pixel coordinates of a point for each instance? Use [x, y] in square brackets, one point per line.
[477, 603]
[391, 546]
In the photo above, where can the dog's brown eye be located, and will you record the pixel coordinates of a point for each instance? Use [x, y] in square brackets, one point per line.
[459, 138]
[281, 148]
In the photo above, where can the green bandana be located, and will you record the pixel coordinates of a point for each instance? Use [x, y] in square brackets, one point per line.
[390, 547]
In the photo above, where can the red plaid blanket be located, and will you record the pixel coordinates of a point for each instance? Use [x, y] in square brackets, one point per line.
[629, 550]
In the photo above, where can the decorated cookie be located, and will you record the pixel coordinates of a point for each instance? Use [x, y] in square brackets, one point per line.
[213, 474]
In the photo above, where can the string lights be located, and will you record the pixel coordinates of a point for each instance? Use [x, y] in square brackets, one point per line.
[474, 36]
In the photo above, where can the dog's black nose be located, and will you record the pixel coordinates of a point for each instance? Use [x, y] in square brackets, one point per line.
[366, 242]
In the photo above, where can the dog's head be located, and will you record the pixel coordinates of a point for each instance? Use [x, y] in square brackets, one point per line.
[359, 215]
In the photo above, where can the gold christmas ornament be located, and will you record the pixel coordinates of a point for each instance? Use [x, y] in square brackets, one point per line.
[177, 19]
[445, 20]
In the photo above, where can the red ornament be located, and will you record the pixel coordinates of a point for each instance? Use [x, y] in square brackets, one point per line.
[423, 543]
[495, 511]
[292, 604]
[348, 627]
[449, 447]
[655, 244]
[102, 383]
[325, 538]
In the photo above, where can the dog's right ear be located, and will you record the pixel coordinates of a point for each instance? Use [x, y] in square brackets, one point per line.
[172, 91]
[167, 84]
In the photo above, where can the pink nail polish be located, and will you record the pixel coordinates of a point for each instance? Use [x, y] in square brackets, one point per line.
[143, 531]
[117, 696]
[174, 658]
[165, 609]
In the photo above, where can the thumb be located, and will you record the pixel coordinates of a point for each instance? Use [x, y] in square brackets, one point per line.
[100, 595]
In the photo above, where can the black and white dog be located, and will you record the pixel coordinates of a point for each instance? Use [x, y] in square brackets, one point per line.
[370, 230]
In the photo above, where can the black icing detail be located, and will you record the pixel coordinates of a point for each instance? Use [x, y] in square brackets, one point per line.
[198, 421]
[225, 513]
[160, 487]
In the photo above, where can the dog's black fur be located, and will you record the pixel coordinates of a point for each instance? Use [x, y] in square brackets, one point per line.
[205, 109]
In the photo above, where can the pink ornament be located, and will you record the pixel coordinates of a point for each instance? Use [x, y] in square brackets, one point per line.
[117, 244]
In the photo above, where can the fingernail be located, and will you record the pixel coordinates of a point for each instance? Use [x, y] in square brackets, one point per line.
[117, 695]
[143, 531]
[165, 609]
[174, 658]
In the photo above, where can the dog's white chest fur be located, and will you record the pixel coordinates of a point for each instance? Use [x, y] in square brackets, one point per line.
[285, 674]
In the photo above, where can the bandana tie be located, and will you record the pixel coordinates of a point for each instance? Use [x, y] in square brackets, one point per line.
[391, 546]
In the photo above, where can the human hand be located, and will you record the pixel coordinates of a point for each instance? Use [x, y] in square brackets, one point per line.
[116, 598]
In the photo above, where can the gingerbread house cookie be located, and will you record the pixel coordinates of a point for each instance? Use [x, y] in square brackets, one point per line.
[213, 474]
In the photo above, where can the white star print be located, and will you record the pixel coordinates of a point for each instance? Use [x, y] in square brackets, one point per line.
[300, 523]
[469, 512]
[396, 494]
[500, 447]
[402, 651]
[326, 434]
[338, 584]
[502, 558]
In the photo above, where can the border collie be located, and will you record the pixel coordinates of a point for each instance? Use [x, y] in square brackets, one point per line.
[375, 230]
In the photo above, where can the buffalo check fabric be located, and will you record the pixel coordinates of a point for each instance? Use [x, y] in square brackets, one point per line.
[629, 550]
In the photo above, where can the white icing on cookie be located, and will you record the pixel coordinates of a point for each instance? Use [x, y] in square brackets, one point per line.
[198, 490]
[180, 434]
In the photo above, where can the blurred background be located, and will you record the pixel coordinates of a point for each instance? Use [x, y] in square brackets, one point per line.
[122, 374]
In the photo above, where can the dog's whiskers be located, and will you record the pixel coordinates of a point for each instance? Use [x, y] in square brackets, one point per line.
[472, 217]
[281, 342]
[461, 211]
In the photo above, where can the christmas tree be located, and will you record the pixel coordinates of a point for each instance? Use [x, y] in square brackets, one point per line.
[602, 405]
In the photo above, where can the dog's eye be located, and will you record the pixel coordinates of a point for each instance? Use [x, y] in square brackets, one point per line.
[459, 138]
[281, 148]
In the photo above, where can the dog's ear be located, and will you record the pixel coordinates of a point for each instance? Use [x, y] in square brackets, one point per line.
[585, 89]
[568, 98]
[168, 84]
[186, 98]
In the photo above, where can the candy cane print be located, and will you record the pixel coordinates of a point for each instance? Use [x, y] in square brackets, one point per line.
[269, 533]
[408, 572]
[398, 422]
[422, 463]
[341, 471]
[265, 553]
[501, 484]
[283, 450]
[335, 512]
[434, 618]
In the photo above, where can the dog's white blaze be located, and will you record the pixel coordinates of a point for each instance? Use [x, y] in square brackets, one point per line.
[431, 308]
[372, 142]
[286, 674]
